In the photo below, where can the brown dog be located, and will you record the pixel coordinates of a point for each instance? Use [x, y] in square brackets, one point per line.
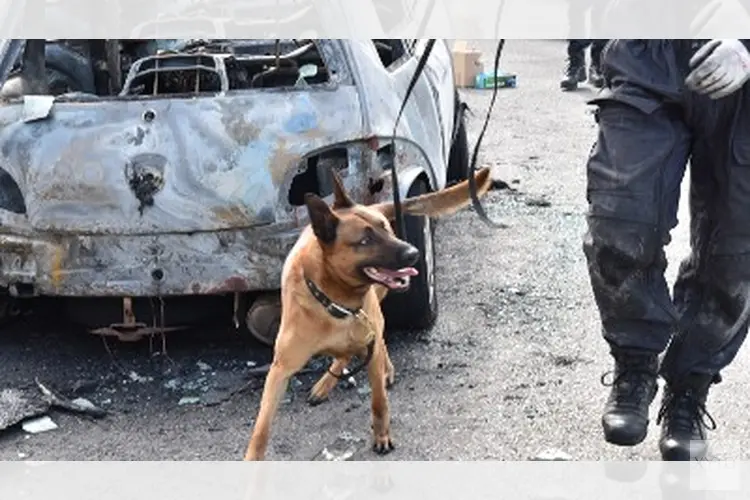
[333, 281]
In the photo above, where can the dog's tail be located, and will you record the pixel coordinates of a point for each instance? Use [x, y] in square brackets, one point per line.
[441, 203]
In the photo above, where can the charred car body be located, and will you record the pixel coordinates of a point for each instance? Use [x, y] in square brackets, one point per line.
[135, 170]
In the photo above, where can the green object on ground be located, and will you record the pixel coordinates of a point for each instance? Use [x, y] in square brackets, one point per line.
[487, 80]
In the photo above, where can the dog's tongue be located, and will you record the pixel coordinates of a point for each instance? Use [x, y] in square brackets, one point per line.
[401, 273]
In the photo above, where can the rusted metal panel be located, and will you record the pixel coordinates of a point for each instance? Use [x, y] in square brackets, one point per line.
[160, 265]
[221, 162]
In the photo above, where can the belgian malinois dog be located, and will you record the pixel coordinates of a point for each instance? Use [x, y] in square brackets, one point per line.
[332, 283]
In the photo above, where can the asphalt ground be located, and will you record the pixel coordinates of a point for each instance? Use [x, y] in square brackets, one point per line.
[511, 370]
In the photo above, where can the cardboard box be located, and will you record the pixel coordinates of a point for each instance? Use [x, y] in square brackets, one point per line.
[466, 64]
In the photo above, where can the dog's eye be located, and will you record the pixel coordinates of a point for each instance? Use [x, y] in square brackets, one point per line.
[366, 240]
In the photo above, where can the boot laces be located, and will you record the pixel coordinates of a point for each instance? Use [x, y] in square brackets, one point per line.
[632, 380]
[686, 411]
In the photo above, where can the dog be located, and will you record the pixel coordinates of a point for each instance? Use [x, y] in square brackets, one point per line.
[332, 284]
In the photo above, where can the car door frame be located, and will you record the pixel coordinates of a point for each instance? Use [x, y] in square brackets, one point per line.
[438, 74]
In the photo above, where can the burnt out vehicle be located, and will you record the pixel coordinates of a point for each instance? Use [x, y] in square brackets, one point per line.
[153, 184]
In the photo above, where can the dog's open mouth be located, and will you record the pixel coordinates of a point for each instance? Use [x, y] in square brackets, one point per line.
[395, 280]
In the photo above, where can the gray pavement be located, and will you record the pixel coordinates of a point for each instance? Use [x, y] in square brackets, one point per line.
[512, 368]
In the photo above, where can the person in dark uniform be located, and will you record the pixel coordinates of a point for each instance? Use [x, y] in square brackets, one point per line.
[575, 66]
[667, 103]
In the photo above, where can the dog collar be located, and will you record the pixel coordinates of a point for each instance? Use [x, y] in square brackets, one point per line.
[335, 310]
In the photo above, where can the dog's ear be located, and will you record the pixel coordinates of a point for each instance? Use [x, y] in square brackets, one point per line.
[442, 202]
[340, 198]
[324, 222]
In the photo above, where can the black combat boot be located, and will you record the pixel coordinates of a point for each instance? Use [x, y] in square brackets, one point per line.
[625, 418]
[684, 419]
[575, 71]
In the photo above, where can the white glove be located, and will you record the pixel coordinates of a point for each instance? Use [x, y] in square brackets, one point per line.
[719, 68]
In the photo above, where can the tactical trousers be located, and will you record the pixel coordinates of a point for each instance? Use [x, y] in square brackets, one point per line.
[650, 128]
[576, 48]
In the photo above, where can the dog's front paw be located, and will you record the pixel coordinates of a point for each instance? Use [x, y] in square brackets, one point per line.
[314, 399]
[321, 390]
[383, 444]
[319, 393]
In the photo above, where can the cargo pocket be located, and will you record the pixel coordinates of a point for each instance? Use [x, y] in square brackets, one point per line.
[635, 149]
[633, 97]
[735, 234]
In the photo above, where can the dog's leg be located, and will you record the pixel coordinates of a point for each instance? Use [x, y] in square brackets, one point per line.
[390, 371]
[381, 417]
[287, 361]
[327, 382]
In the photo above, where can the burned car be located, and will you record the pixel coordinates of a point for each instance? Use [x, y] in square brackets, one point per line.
[152, 184]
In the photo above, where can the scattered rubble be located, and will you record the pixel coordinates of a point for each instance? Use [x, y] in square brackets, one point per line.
[199, 383]
[78, 405]
[137, 378]
[498, 185]
[188, 400]
[364, 390]
[343, 448]
[28, 407]
[39, 425]
[538, 202]
[17, 405]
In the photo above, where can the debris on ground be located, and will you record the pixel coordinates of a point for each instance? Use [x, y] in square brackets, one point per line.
[137, 378]
[17, 405]
[498, 185]
[365, 390]
[349, 381]
[172, 384]
[204, 367]
[83, 405]
[553, 455]
[343, 448]
[538, 202]
[78, 405]
[209, 388]
[188, 400]
[214, 397]
[39, 425]
[84, 386]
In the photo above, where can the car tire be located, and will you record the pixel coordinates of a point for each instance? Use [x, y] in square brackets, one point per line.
[417, 308]
[458, 161]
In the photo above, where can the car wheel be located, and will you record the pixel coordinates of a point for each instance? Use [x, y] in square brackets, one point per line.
[417, 308]
[458, 162]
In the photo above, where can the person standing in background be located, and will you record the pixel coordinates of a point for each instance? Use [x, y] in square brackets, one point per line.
[575, 68]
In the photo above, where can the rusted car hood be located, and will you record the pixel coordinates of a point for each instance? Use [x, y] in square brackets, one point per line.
[225, 161]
